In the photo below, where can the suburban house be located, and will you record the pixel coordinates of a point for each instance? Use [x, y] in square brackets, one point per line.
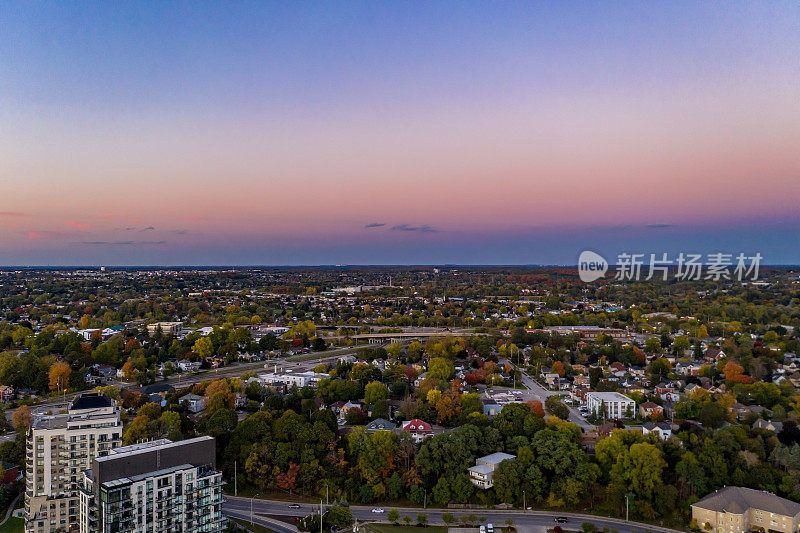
[189, 366]
[380, 424]
[648, 409]
[738, 509]
[482, 473]
[193, 402]
[662, 429]
[610, 404]
[7, 393]
[157, 393]
[776, 427]
[418, 429]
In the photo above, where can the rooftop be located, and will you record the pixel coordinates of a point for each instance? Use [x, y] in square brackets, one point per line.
[92, 400]
[738, 500]
[496, 458]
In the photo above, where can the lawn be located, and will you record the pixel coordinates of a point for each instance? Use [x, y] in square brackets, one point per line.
[13, 525]
[389, 528]
[255, 528]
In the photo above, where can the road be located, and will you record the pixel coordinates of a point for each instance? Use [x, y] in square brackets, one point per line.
[536, 392]
[524, 520]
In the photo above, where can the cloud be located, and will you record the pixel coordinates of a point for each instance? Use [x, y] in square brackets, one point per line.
[148, 228]
[407, 227]
[375, 225]
[77, 225]
[38, 235]
[180, 231]
[120, 243]
[12, 214]
[659, 226]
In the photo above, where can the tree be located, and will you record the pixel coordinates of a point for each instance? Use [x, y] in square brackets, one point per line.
[375, 391]
[440, 368]
[393, 515]
[288, 480]
[712, 415]
[203, 347]
[319, 344]
[21, 419]
[448, 518]
[422, 519]
[59, 376]
[558, 368]
[555, 407]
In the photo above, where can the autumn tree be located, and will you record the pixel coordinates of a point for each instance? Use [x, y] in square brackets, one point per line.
[21, 419]
[203, 347]
[59, 375]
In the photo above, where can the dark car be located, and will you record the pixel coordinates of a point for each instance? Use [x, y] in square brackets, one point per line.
[561, 519]
[294, 506]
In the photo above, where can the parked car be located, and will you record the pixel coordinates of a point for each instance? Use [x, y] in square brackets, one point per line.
[294, 506]
[483, 529]
[561, 519]
[489, 528]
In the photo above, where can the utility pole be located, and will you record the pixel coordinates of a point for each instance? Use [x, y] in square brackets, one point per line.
[524, 507]
[235, 481]
[320, 516]
[327, 501]
[425, 500]
[251, 509]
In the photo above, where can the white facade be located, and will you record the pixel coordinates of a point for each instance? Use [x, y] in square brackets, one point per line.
[610, 405]
[58, 449]
[301, 379]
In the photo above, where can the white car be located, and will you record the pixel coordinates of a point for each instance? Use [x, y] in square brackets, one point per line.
[489, 528]
[377, 510]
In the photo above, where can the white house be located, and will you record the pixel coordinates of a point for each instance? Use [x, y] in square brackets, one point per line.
[662, 429]
[193, 402]
[481, 475]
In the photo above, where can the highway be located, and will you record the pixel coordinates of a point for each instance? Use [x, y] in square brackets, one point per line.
[536, 521]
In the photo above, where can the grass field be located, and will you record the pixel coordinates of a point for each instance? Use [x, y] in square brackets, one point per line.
[245, 524]
[389, 528]
[13, 525]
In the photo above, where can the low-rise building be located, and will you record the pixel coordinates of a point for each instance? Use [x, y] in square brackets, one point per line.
[193, 402]
[481, 475]
[610, 404]
[301, 379]
[739, 509]
[167, 328]
[418, 429]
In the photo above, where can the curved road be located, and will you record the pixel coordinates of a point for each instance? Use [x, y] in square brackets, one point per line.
[523, 520]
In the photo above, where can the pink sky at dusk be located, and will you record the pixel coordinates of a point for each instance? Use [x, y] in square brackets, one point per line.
[579, 148]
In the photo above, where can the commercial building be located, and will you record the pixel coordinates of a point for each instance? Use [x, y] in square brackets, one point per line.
[738, 509]
[58, 449]
[611, 405]
[167, 328]
[152, 487]
[301, 379]
[481, 475]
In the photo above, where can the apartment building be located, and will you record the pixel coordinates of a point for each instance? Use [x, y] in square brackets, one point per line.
[738, 510]
[152, 487]
[612, 405]
[58, 449]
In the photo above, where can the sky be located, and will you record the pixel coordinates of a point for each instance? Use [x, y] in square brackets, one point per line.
[280, 133]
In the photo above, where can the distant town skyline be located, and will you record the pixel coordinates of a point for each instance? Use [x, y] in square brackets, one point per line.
[376, 133]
